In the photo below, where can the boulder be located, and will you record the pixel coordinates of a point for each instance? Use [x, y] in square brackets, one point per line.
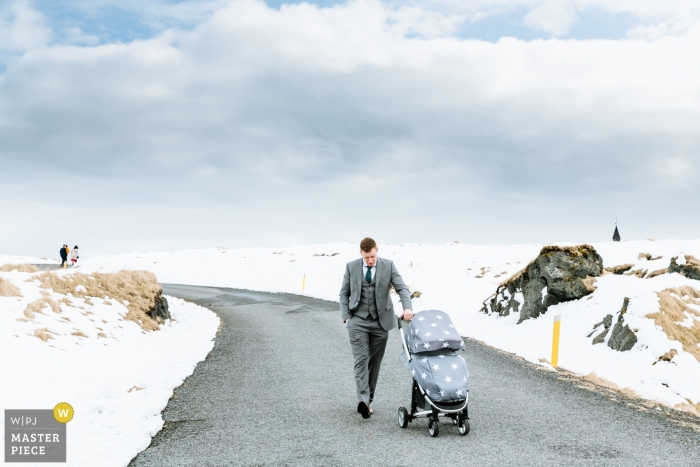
[600, 338]
[160, 311]
[558, 274]
[622, 338]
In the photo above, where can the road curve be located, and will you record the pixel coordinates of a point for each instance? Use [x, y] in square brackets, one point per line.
[278, 389]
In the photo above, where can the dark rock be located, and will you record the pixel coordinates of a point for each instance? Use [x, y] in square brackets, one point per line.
[622, 337]
[691, 268]
[600, 338]
[607, 321]
[160, 311]
[558, 274]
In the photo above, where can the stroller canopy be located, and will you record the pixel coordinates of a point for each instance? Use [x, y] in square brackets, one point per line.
[432, 330]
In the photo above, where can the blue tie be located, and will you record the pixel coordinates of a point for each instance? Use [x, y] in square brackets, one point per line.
[368, 276]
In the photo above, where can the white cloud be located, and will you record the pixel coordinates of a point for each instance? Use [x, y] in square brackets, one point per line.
[263, 124]
[656, 18]
[21, 27]
[554, 17]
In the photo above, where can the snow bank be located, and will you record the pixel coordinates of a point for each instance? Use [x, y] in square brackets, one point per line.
[83, 351]
[457, 278]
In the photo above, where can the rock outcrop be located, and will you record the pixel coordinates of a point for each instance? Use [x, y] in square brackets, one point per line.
[622, 338]
[160, 311]
[691, 268]
[600, 338]
[558, 274]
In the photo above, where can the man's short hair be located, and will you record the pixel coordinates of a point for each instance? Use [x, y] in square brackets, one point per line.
[367, 244]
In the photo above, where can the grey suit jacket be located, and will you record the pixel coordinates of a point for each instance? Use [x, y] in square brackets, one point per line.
[385, 274]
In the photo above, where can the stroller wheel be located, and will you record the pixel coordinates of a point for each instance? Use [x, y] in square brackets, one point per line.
[403, 417]
[433, 428]
[463, 426]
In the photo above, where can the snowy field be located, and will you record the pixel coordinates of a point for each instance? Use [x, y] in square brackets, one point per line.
[457, 278]
[117, 377]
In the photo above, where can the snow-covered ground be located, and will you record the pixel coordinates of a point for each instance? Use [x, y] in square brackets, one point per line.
[448, 277]
[118, 384]
[117, 377]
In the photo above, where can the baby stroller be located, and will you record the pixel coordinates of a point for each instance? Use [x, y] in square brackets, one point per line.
[440, 376]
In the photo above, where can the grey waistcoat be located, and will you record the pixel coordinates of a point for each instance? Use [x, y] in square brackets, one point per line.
[368, 302]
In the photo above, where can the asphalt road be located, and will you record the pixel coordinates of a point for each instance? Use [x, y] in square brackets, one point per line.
[278, 389]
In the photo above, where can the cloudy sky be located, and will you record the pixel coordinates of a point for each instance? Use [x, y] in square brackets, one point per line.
[130, 125]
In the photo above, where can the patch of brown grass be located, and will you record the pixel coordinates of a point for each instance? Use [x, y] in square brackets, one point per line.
[589, 283]
[18, 267]
[139, 288]
[619, 269]
[38, 305]
[673, 307]
[44, 334]
[577, 250]
[78, 334]
[689, 408]
[8, 289]
[595, 379]
[668, 356]
[658, 272]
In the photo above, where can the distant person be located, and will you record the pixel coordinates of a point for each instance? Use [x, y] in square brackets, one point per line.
[368, 314]
[74, 256]
[64, 255]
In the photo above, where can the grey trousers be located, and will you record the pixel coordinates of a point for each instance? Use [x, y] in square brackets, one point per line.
[368, 342]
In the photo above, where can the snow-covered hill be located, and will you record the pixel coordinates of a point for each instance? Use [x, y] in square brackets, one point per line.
[457, 278]
[88, 354]
[82, 348]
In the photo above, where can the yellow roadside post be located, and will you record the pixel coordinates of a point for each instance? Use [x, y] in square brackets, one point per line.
[303, 283]
[555, 341]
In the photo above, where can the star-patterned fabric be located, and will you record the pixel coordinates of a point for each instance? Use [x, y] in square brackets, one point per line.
[443, 376]
[433, 330]
[441, 373]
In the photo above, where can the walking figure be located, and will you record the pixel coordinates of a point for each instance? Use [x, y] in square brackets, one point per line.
[368, 314]
[74, 256]
[64, 255]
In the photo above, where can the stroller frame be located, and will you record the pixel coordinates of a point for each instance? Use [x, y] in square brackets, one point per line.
[424, 407]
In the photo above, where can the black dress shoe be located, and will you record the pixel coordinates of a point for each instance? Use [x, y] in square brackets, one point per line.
[363, 409]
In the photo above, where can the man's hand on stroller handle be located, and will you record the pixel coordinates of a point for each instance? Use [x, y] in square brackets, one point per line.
[407, 314]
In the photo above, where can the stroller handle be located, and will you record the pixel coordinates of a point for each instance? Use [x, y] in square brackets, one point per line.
[403, 340]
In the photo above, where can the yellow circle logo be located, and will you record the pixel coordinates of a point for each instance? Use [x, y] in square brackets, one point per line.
[63, 412]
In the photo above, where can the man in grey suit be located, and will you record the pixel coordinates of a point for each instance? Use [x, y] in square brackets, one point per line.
[368, 314]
